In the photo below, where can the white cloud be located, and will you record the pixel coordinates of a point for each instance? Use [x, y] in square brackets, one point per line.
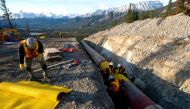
[38, 9]
[103, 6]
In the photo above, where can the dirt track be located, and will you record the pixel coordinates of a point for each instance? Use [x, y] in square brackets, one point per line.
[88, 89]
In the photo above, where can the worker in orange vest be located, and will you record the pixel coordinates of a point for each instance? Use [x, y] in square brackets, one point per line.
[29, 49]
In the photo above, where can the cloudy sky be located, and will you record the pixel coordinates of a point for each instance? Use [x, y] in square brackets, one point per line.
[66, 7]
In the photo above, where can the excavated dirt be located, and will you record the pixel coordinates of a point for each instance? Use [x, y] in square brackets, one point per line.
[88, 92]
[157, 52]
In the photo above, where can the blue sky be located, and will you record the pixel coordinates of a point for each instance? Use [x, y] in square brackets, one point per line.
[66, 7]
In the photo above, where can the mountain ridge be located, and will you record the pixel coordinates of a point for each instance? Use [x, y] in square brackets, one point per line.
[141, 6]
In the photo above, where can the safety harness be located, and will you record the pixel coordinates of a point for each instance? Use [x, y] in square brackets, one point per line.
[28, 52]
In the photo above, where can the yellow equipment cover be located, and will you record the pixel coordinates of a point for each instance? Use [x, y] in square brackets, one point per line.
[30, 95]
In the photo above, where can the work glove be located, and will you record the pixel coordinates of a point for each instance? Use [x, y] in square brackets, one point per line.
[22, 67]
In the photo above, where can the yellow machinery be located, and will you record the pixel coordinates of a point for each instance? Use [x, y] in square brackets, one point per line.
[9, 35]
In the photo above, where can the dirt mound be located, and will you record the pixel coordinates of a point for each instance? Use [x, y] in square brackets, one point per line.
[156, 51]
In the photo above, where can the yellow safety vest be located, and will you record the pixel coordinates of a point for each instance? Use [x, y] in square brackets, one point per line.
[28, 52]
[115, 85]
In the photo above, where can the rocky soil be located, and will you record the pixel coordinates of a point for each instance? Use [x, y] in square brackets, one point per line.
[158, 51]
[88, 92]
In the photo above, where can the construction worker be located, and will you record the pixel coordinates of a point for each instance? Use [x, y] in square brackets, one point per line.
[136, 81]
[121, 69]
[112, 67]
[29, 49]
[113, 85]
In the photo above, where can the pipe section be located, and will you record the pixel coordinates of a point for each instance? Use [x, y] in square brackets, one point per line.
[135, 97]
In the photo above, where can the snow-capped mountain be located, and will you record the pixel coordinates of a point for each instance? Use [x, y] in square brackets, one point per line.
[22, 14]
[149, 5]
[142, 6]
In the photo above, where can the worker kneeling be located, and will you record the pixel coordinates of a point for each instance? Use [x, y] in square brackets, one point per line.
[136, 81]
[29, 49]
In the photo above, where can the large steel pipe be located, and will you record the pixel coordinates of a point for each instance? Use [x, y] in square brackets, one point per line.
[135, 97]
[96, 57]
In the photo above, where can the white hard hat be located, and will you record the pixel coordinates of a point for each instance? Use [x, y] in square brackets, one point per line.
[111, 63]
[119, 65]
[31, 43]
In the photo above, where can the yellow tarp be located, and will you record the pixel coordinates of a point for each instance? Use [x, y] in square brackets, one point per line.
[29, 95]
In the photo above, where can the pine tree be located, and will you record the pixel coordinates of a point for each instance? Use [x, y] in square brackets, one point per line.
[143, 15]
[6, 12]
[168, 9]
[180, 6]
[132, 15]
[154, 13]
[114, 23]
[187, 7]
[111, 16]
[27, 29]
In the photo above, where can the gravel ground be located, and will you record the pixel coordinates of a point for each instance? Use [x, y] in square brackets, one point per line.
[88, 92]
[157, 53]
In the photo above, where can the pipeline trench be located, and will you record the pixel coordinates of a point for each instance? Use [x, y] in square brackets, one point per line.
[89, 91]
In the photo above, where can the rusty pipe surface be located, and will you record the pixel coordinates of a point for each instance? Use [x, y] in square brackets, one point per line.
[134, 96]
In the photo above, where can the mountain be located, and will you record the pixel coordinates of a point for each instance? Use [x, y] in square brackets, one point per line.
[22, 15]
[141, 6]
[89, 22]
[149, 5]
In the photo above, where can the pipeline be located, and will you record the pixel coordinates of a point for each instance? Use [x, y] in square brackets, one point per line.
[136, 99]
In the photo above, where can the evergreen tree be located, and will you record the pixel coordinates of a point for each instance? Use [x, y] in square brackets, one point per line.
[153, 13]
[187, 7]
[168, 9]
[111, 16]
[27, 29]
[132, 15]
[180, 6]
[6, 12]
[114, 23]
[143, 15]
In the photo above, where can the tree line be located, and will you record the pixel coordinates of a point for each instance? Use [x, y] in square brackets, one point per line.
[180, 6]
[6, 13]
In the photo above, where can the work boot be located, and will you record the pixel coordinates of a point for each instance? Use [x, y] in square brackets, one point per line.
[30, 75]
[45, 78]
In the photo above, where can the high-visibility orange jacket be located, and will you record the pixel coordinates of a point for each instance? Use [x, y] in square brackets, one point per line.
[25, 52]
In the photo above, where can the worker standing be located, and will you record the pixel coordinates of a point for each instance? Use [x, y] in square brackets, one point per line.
[29, 49]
